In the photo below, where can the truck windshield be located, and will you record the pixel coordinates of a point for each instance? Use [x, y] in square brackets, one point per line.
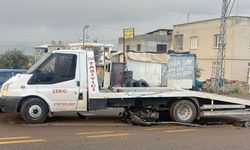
[39, 62]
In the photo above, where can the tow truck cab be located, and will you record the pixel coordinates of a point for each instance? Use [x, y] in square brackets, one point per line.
[56, 79]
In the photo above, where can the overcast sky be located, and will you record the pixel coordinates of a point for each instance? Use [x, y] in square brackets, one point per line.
[28, 23]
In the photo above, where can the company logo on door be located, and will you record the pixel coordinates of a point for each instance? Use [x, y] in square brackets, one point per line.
[92, 73]
[59, 91]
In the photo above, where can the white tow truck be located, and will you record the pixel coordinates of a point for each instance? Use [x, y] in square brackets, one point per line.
[66, 81]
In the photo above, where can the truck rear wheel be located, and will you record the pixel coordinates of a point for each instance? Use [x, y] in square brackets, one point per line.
[183, 111]
[34, 111]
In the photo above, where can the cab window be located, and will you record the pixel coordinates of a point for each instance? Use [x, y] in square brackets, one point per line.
[58, 68]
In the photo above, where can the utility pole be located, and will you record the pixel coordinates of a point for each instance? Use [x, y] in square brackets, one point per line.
[124, 46]
[128, 33]
[220, 65]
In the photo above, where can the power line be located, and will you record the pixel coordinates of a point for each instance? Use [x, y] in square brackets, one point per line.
[231, 8]
[238, 5]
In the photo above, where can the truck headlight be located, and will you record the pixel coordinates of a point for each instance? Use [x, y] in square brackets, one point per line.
[5, 89]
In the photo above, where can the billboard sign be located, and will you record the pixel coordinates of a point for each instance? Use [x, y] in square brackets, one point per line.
[128, 33]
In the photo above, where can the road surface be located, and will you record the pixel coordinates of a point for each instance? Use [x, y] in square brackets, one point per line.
[104, 131]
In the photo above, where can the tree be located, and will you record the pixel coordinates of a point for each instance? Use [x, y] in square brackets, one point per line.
[13, 59]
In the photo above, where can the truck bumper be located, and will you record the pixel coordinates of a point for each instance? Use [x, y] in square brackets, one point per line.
[9, 104]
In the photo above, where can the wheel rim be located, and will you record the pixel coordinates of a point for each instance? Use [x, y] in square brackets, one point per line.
[184, 112]
[35, 111]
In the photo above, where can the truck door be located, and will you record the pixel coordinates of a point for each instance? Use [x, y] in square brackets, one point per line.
[59, 81]
[107, 74]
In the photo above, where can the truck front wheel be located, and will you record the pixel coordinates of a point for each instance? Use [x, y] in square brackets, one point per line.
[34, 111]
[183, 111]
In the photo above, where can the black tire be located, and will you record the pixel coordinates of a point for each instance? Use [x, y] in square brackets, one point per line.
[131, 83]
[142, 83]
[128, 75]
[34, 111]
[183, 111]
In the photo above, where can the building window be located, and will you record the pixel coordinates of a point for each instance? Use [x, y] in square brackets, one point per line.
[139, 47]
[216, 40]
[214, 69]
[194, 42]
[179, 42]
[128, 47]
[162, 48]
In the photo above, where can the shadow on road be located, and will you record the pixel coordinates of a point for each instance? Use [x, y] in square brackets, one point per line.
[224, 120]
[111, 118]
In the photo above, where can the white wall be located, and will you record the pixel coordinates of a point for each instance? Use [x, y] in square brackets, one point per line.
[151, 72]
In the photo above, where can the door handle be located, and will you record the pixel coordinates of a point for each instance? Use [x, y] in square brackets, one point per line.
[80, 97]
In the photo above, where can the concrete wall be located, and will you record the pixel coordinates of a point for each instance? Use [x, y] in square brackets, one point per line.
[237, 50]
[205, 52]
[177, 73]
[241, 48]
[151, 72]
[148, 42]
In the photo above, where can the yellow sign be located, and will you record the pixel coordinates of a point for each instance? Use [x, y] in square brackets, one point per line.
[128, 33]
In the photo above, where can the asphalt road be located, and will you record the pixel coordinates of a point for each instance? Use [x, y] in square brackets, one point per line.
[105, 131]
